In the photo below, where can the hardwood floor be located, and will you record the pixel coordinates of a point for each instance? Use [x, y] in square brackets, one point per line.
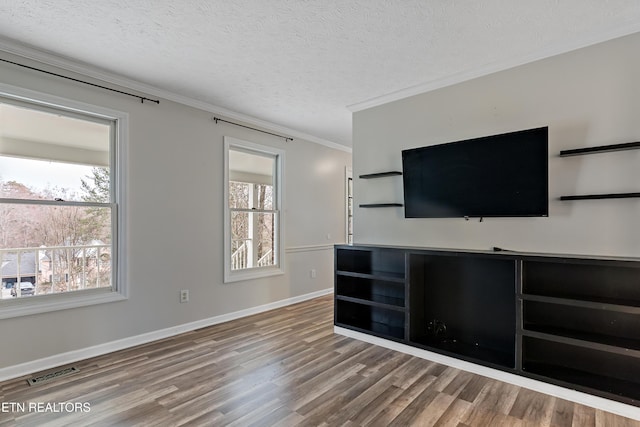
[285, 368]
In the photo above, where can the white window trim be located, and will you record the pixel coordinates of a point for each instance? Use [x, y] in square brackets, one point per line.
[348, 175]
[256, 272]
[82, 298]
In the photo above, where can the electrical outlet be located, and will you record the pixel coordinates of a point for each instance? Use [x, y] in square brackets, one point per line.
[313, 273]
[184, 295]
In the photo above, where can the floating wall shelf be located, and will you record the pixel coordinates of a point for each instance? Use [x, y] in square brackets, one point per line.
[602, 196]
[380, 174]
[600, 149]
[381, 205]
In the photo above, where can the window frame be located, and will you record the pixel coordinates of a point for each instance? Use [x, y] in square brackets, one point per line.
[230, 276]
[118, 168]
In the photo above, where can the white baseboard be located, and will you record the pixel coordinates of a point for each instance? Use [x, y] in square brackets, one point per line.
[535, 385]
[50, 362]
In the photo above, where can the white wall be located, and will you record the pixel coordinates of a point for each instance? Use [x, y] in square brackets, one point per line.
[175, 223]
[587, 98]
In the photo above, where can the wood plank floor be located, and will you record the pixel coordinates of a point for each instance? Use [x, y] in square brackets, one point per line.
[284, 368]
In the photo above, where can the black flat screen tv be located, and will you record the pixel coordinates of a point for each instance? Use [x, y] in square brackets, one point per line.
[502, 175]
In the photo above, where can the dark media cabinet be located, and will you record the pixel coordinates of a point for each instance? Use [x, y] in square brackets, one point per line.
[569, 321]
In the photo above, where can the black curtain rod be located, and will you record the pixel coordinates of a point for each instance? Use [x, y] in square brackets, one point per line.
[286, 138]
[141, 98]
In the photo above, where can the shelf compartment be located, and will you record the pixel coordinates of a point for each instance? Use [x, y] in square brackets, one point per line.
[587, 324]
[600, 149]
[615, 282]
[613, 374]
[601, 196]
[608, 348]
[467, 351]
[371, 319]
[372, 290]
[608, 304]
[380, 174]
[385, 263]
[467, 301]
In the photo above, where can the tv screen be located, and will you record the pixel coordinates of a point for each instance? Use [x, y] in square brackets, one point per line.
[494, 176]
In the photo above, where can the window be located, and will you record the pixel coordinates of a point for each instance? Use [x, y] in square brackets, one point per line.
[59, 203]
[253, 217]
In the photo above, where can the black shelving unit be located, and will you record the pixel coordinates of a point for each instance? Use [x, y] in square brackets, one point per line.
[581, 325]
[569, 321]
[380, 175]
[370, 291]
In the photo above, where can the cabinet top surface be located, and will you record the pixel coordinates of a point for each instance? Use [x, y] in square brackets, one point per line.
[503, 253]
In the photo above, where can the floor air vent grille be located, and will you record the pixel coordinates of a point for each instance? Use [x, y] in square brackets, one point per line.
[45, 378]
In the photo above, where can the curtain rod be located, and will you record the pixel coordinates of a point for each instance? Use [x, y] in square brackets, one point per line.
[286, 138]
[142, 98]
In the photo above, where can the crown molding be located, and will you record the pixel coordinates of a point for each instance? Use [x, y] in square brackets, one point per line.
[547, 52]
[95, 73]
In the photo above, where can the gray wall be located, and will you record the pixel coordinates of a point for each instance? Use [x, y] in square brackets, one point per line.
[175, 223]
[587, 97]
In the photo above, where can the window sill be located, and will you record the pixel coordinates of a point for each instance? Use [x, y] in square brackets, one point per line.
[47, 303]
[252, 273]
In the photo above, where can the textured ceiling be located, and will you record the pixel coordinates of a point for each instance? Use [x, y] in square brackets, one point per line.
[300, 63]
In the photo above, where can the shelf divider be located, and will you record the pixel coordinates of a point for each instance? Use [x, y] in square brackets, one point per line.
[605, 304]
[386, 276]
[592, 345]
[599, 341]
[373, 303]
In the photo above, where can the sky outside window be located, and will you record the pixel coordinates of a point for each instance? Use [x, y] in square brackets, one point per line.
[40, 175]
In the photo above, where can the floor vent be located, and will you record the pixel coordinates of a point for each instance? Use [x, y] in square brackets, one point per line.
[52, 376]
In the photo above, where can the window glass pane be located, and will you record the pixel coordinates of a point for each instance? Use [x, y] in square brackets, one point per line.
[240, 225]
[241, 245]
[239, 195]
[265, 239]
[45, 155]
[53, 249]
[253, 168]
[252, 239]
[264, 199]
[29, 179]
